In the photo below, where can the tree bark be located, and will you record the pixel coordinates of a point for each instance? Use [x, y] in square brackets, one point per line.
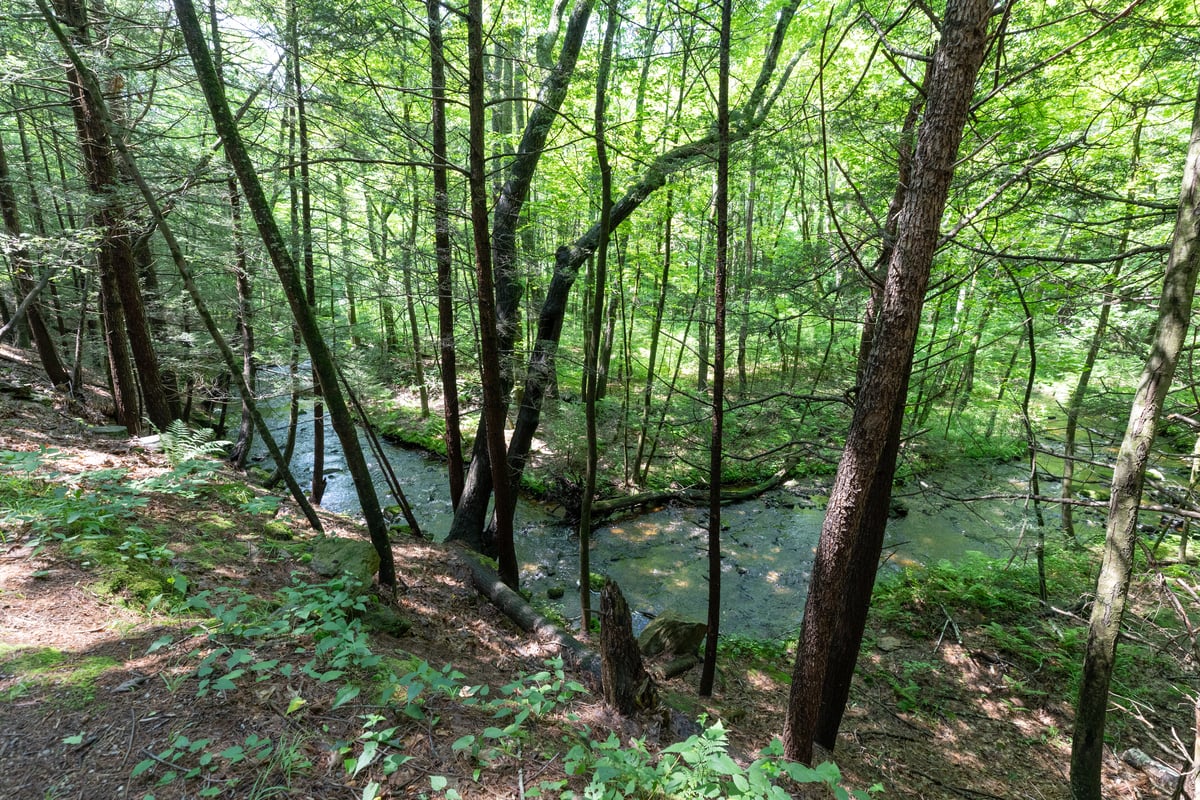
[469, 518]
[22, 269]
[445, 260]
[628, 687]
[717, 438]
[848, 549]
[322, 360]
[1129, 472]
[490, 318]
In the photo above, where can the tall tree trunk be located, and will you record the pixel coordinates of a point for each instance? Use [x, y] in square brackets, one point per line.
[318, 351]
[445, 257]
[468, 523]
[716, 442]
[410, 300]
[852, 535]
[468, 519]
[306, 247]
[113, 251]
[489, 321]
[1129, 473]
[655, 331]
[591, 373]
[22, 269]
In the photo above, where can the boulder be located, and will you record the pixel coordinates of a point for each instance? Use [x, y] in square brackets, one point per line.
[670, 633]
[334, 556]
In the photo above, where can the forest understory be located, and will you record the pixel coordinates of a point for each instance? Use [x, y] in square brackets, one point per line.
[964, 690]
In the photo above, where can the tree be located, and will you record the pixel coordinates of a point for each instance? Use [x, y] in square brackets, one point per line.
[1129, 473]
[852, 535]
[717, 437]
[285, 267]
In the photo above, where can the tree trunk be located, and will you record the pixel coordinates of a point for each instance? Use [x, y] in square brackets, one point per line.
[491, 322]
[22, 269]
[716, 441]
[445, 257]
[1129, 472]
[851, 537]
[468, 519]
[591, 374]
[467, 526]
[628, 687]
[322, 360]
[655, 332]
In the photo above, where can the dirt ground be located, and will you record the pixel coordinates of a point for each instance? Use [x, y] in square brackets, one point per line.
[108, 694]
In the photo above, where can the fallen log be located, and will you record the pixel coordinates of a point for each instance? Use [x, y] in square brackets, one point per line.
[613, 504]
[575, 653]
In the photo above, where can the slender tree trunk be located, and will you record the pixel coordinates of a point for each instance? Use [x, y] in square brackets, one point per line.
[306, 247]
[716, 442]
[852, 535]
[410, 300]
[1129, 472]
[469, 518]
[113, 251]
[22, 269]
[655, 331]
[322, 360]
[591, 375]
[445, 258]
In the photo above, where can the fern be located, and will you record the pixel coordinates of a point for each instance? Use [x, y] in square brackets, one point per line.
[181, 444]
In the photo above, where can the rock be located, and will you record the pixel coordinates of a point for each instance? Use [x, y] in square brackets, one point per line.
[670, 633]
[335, 556]
[278, 531]
[889, 643]
[556, 591]
[385, 619]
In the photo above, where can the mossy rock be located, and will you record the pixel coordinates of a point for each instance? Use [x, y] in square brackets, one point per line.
[671, 633]
[556, 591]
[384, 619]
[278, 531]
[334, 556]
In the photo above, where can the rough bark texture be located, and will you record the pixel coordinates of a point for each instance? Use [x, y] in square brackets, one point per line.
[22, 269]
[322, 360]
[113, 251]
[864, 476]
[1129, 472]
[628, 687]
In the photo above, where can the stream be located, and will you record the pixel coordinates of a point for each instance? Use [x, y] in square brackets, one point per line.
[660, 557]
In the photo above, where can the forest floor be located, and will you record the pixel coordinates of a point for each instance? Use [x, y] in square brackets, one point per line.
[103, 691]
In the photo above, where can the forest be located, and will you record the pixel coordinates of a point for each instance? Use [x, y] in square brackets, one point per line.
[872, 318]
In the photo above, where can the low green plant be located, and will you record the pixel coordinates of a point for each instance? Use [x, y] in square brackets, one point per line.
[697, 767]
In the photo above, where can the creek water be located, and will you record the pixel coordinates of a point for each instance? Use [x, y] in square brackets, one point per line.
[660, 556]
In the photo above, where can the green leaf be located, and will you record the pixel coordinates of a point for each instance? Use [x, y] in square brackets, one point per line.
[295, 704]
[345, 695]
[438, 782]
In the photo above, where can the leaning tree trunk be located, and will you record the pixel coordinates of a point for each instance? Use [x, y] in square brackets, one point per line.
[848, 548]
[323, 366]
[1129, 472]
[469, 518]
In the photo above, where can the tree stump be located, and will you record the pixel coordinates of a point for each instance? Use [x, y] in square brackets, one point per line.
[628, 687]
